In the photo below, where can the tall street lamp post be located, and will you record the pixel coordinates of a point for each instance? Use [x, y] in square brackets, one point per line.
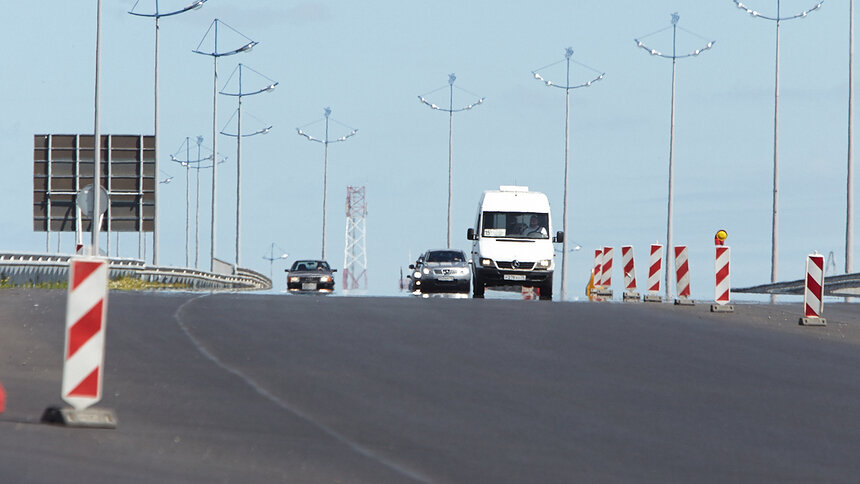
[450, 111]
[157, 16]
[674, 57]
[774, 250]
[239, 94]
[568, 53]
[215, 54]
[325, 141]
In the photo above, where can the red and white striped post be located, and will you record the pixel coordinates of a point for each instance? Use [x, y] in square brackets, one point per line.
[605, 286]
[682, 276]
[655, 265]
[813, 294]
[629, 270]
[722, 285]
[83, 367]
[597, 271]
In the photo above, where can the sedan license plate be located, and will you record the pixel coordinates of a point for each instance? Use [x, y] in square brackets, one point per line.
[514, 277]
[309, 286]
[446, 278]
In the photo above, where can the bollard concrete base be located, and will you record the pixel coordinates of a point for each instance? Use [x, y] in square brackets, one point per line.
[94, 418]
[684, 301]
[631, 296]
[813, 322]
[652, 298]
[722, 308]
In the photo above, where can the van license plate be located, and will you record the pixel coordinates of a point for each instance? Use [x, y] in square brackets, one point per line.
[514, 277]
[446, 278]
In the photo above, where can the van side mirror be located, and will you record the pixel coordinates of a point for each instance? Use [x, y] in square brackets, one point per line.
[559, 237]
[470, 234]
[412, 266]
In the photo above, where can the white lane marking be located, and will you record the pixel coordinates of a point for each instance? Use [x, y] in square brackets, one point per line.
[364, 451]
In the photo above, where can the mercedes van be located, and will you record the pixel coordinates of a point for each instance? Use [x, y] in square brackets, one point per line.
[512, 241]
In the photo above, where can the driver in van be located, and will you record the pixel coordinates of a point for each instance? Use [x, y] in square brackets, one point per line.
[535, 229]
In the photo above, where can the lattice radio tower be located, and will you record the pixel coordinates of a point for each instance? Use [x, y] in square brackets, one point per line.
[355, 250]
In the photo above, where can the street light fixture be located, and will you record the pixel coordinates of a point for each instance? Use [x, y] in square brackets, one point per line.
[450, 111]
[215, 54]
[157, 15]
[271, 257]
[239, 94]
[325, 141]
[568, 53]
[674, 58]
[774, 263]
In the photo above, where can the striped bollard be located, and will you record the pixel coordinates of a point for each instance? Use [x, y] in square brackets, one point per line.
[83, 368]
[722, 286]
[655, 265]
[682, 277]
[597, 271]
[606, 273]
[629, 270]
[813, 294]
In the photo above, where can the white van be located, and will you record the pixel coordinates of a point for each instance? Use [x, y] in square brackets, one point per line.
[512, 241]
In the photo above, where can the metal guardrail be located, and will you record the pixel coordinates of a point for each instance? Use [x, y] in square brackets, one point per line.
[23, 269]
[845, 285]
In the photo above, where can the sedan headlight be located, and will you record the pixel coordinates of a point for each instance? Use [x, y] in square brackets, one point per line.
[544, 263]
[325, 279]
[294, 278]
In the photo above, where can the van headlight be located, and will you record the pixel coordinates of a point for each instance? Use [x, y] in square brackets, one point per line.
[486, 262]
[416, 274]
[426, 270]
[544, 263]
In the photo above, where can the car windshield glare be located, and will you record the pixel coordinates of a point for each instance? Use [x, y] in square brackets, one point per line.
[515, 225]
[446, 256]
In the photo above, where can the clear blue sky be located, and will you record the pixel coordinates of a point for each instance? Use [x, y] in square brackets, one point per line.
[369, 61]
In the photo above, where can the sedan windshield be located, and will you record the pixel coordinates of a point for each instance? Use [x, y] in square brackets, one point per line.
[310, 265]
[515, 225]
[446, 256]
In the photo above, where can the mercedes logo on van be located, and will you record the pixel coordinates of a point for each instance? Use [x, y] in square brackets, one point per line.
[515, 264]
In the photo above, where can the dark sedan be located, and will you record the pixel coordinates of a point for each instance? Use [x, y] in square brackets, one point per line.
[310, 276]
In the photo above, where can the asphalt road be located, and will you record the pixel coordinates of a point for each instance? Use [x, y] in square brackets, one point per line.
[278, 388]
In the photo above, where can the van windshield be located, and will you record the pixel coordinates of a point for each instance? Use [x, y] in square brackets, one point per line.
[515, 225]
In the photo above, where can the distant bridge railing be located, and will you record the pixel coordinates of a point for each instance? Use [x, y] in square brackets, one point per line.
[845, 285]
[21, 269]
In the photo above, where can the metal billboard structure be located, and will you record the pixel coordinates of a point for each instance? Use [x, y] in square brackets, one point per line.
[63, 166]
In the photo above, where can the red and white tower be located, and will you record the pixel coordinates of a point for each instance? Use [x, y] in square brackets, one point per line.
[355, 250]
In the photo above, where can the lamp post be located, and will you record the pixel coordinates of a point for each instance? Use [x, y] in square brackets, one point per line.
[849, 211]
[97, 145]
[325, 141]
[774, 250]
[215, 54]
[674, 57]
[187, 162]
[568, 53]
[238, 94]
[450, 111]
[157, 16]
[271, 257]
